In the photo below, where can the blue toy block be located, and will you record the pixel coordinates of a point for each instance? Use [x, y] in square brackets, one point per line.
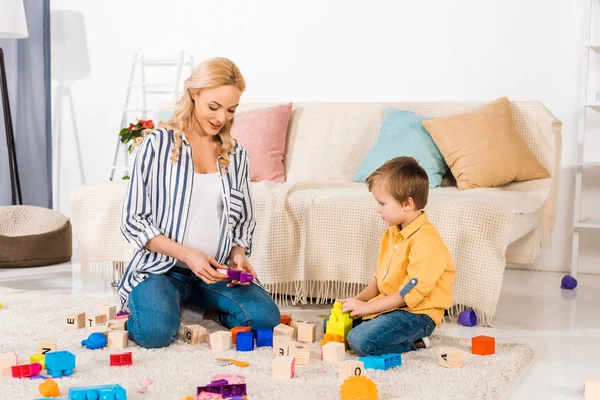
[95, 341]
[104, 392]
[384, 362]
[60, 363]
[264, 337]
[244, 341]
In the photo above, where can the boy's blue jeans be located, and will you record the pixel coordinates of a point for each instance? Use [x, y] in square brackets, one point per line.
[155, 306]
[391, 332]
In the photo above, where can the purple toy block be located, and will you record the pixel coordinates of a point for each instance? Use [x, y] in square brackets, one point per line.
[233, 274]
[223, 388]
[246, 277]
[244, 341]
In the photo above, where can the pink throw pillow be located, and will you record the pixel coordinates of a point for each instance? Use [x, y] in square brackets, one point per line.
[263, 133]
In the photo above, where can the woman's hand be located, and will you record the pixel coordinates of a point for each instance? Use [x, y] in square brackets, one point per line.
[202, 265]
[240, 262]
[357, 308]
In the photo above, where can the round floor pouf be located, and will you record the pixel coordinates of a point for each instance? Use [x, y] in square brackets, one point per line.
[33, 236]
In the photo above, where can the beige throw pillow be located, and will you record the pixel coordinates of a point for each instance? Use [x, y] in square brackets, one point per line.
[483, 148]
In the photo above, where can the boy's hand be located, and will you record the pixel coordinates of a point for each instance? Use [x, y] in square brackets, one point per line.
[357, 308]
[240, 262]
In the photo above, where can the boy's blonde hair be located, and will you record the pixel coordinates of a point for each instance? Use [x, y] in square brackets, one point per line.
[402, 177]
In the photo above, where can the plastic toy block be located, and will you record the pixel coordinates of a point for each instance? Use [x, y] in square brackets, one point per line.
[224, 388]
[49, 388]
[339, 323]
[112, 392]
[245, 341]
[38, 358]
[350, 368]
[122, 314]
[47, 345]
[145, 383]
[358, 387]
[284, 367]
[301, 354]
[306, 332]
[120, 360]
[483, 345]
[450, 358]
[286, 319]
[209, 396]
[188, 398]
[26, 370]
[220, 340]
[75, 320]
[282, 329]
[234, 331]
[333, 352]
[331, 337]
[384, 362]
[60, 363]
[117, 324]
[264, 337]
[7, 361]
[246, 277]
[95, 341]
[109, 311]
[194, 334]
[231, 378]
[236, 275]
[591, 390]
[118, 339]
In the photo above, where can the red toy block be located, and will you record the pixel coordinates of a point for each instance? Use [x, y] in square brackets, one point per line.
[236, 329]
[286, 319]
[483, 345]
[119, 360]
[26, 370]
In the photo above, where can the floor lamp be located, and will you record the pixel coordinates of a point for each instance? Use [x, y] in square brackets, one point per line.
[12, 26]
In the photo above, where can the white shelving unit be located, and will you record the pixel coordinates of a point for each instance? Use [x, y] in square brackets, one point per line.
[590, 106]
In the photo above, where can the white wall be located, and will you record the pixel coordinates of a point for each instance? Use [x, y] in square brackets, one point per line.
[341, 50]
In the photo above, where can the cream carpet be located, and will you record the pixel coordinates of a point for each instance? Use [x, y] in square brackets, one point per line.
[28, 316]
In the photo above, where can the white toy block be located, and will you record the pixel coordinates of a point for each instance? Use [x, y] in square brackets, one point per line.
[333, 352]
[284, 330]
[450, 358]
[307, 332]
[46, 345]
[350, 368]
[220, 340]
[284, 367]
[301, 354]
[194, 334]
[75, 320]
[118, 339]
[591, 390]
[7, 361]
[117, 324]
[109, 311]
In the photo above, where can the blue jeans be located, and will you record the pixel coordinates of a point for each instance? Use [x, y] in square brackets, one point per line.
[391, 332]
[155, 306]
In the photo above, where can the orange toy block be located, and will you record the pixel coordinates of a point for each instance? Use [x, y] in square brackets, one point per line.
[286, 319]
[49, 388]
[331, 337]
[236, 329]
[483, 345]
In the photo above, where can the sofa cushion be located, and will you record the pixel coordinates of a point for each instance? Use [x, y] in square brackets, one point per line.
[263, 133]
[483, 148]
[402, 134]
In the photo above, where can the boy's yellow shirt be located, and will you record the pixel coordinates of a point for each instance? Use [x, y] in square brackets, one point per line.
[416, 251]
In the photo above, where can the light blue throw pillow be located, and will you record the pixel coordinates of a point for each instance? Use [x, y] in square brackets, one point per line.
[402, 134]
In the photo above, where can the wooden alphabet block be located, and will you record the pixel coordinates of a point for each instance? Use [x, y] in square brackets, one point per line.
[7, 361]
[117, 324]
[118, 339]
[75, 320]
[284, 367]
[301, 354]
[483, 345]
[46, 345]
[333, 352]
[102, 329]
[591, 390]
[450, 358]
[93, 320]
[307, 332]
[194, 334]
[220, 340]
[350, 368]
[281, 344]
[285, 330]
[109, 311]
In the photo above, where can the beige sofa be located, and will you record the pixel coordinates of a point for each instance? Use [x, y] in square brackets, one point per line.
[317, 234]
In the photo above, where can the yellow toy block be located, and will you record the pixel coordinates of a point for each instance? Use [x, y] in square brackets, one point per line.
[38, 358]
[339, 323]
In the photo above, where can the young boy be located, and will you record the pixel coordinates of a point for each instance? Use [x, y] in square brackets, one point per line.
[406, 300]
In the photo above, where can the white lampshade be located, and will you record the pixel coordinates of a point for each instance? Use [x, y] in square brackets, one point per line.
[70, 59]
[13, 24]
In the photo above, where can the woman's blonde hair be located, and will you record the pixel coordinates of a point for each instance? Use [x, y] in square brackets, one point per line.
[209, 74]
